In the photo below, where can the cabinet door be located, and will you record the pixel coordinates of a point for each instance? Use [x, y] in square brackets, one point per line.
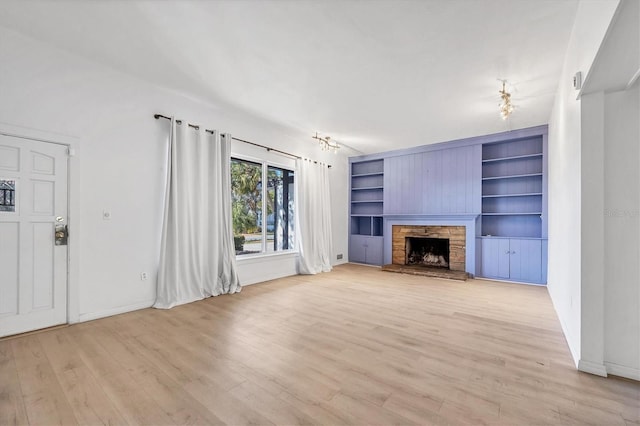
[495, 258]
[526, 260]
[374, 251]
[357, 249]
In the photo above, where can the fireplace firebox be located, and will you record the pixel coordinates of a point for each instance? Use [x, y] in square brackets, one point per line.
[425, 251]
[425, 240]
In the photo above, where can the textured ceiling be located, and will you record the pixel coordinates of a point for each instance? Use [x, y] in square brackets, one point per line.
[376, 75]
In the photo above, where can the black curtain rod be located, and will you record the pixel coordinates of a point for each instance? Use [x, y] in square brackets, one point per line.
[195, 126]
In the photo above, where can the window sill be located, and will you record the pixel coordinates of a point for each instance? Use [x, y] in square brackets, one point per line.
[248, 257]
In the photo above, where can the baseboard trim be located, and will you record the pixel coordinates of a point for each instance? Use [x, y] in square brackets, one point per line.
[365, 264]
[565, 330]
[592, 368]
[30, 333]
[622, 371]
[114, 311]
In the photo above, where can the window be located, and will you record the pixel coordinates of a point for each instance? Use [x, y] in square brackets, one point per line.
[263, 215]
[7, 195]
[280, 217]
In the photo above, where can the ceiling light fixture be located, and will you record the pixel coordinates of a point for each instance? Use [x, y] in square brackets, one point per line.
[506, 108]
[326, 144]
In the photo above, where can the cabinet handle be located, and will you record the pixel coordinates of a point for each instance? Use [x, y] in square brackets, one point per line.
[513, 252]
[507, 252]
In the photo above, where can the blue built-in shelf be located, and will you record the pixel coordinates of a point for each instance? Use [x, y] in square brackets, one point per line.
[526, 194]
[512, 176]
[366, 209]
[513, 188]
[513, 244]
[367, 174]
[515, 157]
[513, 214]
[366, 188]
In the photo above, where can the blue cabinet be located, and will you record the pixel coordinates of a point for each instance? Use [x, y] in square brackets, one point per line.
[516, 259]
[365, 249]
[495, 258]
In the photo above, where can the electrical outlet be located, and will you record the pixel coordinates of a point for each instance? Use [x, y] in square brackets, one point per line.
[143, 276]
[340, 256]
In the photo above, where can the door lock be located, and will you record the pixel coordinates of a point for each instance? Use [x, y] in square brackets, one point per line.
[61, 235]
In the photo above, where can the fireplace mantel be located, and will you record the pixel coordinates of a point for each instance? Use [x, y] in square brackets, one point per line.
[431, 216]
[466, 220]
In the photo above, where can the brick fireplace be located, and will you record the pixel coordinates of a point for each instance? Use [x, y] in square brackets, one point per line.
[454, 235]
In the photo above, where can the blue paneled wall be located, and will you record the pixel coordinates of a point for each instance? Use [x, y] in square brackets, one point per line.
[445, 181]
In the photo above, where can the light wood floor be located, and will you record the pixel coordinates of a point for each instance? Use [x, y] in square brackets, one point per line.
[355, 346]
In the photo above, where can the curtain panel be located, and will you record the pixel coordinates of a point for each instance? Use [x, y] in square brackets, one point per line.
[314, 217]
[197, 255]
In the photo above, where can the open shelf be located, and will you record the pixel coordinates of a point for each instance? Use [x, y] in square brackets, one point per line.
[372, 209]
[512, 176]
[512, 188]
[515, 157]
[498, 237]
[367, 189]
[513, 214]
[371, 167]
[512, 226]
[367, 174]
[512, 149]
[522, 186]
[366, 225]
[525, 194]
[526, 204]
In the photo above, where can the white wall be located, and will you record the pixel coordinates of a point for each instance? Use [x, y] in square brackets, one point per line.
[611, 187]
[594, 159]
[592, 271]
[564, 269]
[622, 228]
[610, 116]
[120, 164]
[611, 248]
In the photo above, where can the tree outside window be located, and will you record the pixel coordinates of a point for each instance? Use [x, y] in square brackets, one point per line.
[255, 232]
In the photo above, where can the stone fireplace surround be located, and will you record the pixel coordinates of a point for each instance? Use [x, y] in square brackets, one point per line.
[468, 221]
[455, 234]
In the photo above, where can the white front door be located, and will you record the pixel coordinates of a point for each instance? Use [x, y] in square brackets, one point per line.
[33, 201]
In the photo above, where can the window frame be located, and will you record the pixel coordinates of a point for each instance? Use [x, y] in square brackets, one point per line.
[265, 167]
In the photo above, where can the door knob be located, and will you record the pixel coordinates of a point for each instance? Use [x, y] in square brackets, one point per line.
[61, 235]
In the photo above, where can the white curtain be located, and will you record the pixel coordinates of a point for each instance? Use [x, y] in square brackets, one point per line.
[313, 217]
[197, 257]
